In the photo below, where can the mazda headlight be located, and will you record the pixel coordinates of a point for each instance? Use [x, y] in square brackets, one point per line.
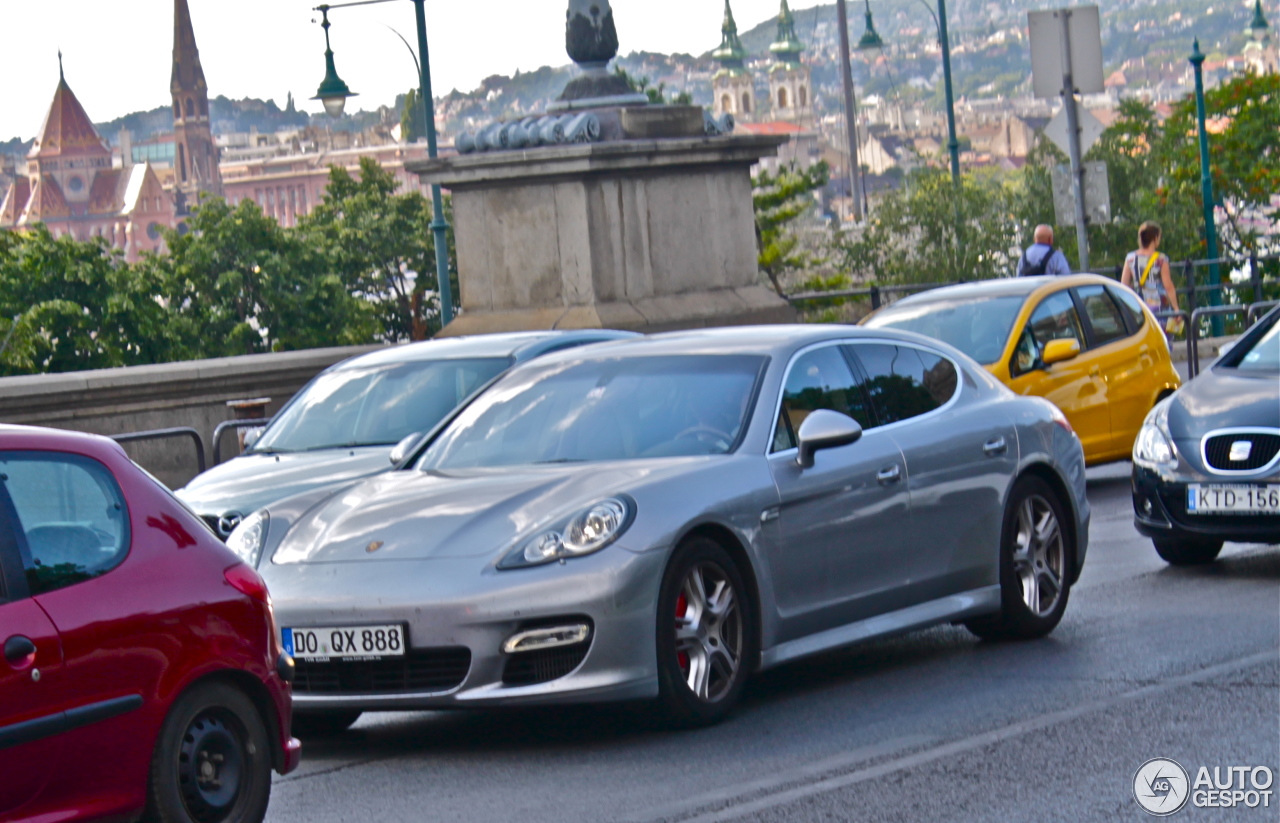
[247, 539]
[589, 531]
[1154, 447]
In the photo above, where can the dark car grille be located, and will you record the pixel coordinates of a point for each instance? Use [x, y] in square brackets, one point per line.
[528, 668]
[1217, 451]
[422, 670]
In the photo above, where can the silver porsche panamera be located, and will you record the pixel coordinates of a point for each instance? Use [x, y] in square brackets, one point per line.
[660, 517]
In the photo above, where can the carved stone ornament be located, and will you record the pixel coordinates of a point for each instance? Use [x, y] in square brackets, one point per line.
[590, 36]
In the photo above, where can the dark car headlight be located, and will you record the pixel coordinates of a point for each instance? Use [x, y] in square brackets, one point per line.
[587, 532]
[1154, 447]
[247, 539]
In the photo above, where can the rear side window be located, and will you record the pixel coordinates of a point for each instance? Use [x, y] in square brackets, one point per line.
[819, 379]
[1103, 313]
[905, 382]
[1130, 305]
[71, 513]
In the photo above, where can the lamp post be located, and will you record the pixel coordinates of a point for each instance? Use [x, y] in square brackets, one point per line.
[850, 109]
[333, 93]
[871, 40]
[1206, 186]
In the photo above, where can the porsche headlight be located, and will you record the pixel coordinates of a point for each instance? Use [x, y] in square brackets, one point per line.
[247, 539]
[589, 531]
[1154, 447]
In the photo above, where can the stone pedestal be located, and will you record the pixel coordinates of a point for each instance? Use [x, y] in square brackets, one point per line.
[648, 235]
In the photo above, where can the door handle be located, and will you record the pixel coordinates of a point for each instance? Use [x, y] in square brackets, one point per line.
[995, 447]
[889, 475]
[19, 650]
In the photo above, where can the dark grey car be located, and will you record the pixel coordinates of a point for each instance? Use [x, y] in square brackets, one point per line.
[660, 517]
[344, 424]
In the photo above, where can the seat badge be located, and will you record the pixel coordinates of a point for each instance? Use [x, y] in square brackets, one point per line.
[1240, 451]
[374, 546]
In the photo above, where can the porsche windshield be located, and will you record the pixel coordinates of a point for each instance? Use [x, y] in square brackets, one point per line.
[621, 409]
[376, 406]
[978, 327]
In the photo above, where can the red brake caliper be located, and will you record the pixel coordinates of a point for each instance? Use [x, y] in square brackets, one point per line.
[682, 608]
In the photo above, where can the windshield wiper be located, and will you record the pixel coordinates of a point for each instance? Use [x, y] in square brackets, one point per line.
[560, 460]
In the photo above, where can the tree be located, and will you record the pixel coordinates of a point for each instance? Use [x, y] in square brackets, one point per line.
[411, 121]
[931, 231]
[779, 200]
[68, 305]
[380, 244]
[238, 283]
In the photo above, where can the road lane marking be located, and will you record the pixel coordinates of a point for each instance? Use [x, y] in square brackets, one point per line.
[804, 773]
[977, 741]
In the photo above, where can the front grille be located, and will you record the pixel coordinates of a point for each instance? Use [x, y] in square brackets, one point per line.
[528, 668]
[422, 670]
[212, 520]
[1217, 451]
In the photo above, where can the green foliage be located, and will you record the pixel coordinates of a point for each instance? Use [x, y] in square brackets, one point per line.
[930, 231]
[359, 269]
[379, 244]
[656, 94]
[779, 200]
[411, 121]
[69, 305]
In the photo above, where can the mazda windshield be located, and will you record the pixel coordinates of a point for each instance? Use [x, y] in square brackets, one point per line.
[618, 409]
[979, 327]
[376, 406]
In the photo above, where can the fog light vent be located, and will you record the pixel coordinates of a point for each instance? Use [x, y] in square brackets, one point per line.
[550, 637]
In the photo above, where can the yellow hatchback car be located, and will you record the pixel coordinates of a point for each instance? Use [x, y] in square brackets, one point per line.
[1086, 343]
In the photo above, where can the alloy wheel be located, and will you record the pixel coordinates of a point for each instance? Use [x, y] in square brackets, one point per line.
[709, 631]
[1039, 555]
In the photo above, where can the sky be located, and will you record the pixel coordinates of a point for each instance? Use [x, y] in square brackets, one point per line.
[118, 53]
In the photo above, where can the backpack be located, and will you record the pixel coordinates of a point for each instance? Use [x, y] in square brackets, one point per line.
[1040, 268]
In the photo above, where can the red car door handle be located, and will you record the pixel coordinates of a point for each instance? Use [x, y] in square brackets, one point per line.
[19, 650]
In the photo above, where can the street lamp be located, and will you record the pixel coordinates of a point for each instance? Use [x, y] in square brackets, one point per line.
[333, 93]
[872, 40]
[1206, 186]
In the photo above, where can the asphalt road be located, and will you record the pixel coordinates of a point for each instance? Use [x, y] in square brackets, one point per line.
[1149, 662]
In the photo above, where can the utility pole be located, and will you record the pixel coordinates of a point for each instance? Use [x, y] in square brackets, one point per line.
[953, 143]
[1073, 136]
[1206, 189]
[850, 111]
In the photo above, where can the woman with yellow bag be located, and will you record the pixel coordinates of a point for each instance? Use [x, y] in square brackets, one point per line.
[1153, 275]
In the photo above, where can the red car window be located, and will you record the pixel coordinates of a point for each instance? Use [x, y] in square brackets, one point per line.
[71, 513]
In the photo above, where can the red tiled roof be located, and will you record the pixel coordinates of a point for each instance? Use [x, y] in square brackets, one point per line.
[104, 197]
[47, 202]
[15, 202]
[67, 129]
[776, 127]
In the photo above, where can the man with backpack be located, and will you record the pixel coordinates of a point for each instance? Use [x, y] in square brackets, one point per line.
[1043, 257]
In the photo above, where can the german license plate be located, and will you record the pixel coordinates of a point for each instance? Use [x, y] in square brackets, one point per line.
[345, 642]
[1239, 499]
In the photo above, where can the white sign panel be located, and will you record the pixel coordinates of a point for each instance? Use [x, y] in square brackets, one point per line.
[1085, 31]
[1091, 129]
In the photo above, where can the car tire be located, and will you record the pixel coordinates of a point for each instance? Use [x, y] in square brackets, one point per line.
[1187, 552]
[212, 761]
[323, 724]
[706, 640]
[1036, 561]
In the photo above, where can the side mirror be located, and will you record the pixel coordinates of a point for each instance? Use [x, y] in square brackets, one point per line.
[1059, 350]
[404, 448]
[1226, 348]
[251, 437]
[825, 429]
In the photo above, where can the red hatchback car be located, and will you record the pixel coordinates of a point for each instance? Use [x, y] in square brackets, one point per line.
[143, 671]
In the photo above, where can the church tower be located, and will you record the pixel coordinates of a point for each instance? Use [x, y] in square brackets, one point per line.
[195, 161]
[733, 87]
[790, 85]
[1261, 54]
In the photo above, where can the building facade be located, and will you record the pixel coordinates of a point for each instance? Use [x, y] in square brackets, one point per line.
[733, 87]
[790, 82]
[196, 170]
